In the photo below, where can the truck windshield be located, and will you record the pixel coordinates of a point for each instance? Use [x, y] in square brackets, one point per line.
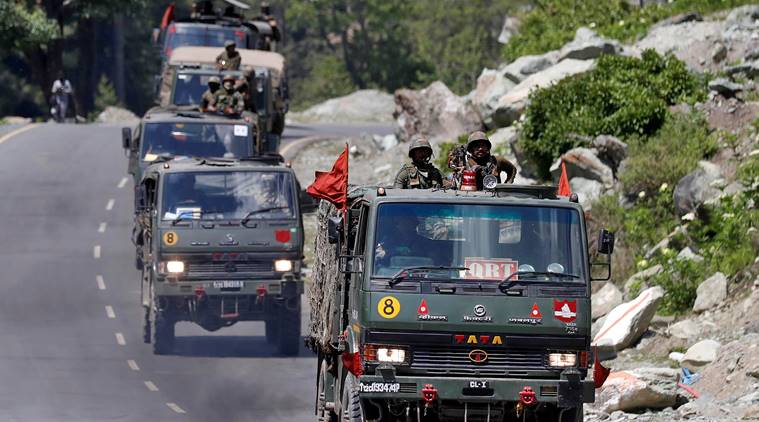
[189, 87]
[228, 195]
[205, 36]
[492, 241]
[196, 140]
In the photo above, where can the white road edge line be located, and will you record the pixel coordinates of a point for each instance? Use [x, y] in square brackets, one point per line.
[18, 131]
[100, 281]
[151, 386]
[175, 407]
[109, 312]
[120, 339]
[133, 365]
[110, 204]
[101, 227]
[96, 251]
[122, 183]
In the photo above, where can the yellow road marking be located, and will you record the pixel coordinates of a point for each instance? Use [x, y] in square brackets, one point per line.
[18, 131]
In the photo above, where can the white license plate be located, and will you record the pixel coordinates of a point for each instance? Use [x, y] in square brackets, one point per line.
[479, 384]
[228, 284]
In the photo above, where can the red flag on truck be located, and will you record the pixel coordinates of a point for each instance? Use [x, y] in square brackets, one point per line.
[564, 189]
[168, 16]
[333, 186]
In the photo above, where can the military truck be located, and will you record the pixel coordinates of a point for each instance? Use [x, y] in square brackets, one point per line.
[453, 306]
[185, 78]
[222, 242]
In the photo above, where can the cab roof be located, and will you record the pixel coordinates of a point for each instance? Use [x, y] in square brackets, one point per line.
[188, 114]
[273, 162]
[207, 55]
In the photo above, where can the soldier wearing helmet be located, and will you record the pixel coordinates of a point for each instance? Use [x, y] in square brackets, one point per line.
[229, 59]
[228, 100]
[208, 100]
[479, 159]
[420, 173]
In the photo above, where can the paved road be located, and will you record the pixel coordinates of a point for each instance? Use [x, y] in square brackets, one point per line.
[69, 311]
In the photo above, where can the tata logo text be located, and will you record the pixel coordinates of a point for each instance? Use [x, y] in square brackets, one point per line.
[478, 339]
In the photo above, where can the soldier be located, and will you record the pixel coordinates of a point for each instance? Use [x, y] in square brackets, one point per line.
[242, 87]
[420, 173]
[479, 159]
[229, 59]
[228, 100]
[208, 100]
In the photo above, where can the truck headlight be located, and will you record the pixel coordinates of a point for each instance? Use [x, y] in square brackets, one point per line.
[562, 360]
[385, 354]
[283, 265]
[175, 267]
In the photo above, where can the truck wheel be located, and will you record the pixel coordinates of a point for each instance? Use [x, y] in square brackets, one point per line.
[271, 331]
[571, 415]
[146, 324]
[288, 336]
[162, 330]
[350, 406]
[322, 413]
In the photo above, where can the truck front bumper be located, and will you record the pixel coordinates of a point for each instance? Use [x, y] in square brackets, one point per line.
[288, 286]
[563, 392]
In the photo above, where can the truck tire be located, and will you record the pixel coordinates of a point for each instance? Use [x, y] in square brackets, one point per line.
[162, 331]
[288, 336]
[322, 414]
[572, 415]
[146, 324]
[350, 405]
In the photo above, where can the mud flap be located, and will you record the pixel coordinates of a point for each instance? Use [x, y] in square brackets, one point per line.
[570, 389]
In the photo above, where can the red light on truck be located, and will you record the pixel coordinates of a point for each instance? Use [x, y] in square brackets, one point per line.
[352, 362]
[282, 236]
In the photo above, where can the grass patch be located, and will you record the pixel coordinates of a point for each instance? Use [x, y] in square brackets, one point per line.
[552, 23]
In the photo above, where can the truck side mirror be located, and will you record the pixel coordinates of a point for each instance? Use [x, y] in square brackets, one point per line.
[140, 199]
[307, 202]
[334, 228]
[605, 242]
[156, 35]
[126, 137]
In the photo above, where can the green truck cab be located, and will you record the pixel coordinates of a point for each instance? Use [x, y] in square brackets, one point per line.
[451, 305]
[221, 242]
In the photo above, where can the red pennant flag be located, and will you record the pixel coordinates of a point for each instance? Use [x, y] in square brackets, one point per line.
[600, 372]
[564, 189]
[333, 186]
[168, 16]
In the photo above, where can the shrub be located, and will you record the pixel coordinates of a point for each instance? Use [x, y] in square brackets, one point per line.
[327, 79]
[667, 156]
[106, 96]
[441, 157]
[621, 96]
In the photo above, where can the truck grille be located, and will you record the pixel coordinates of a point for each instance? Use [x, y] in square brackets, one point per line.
[446, 361]
[199, 269]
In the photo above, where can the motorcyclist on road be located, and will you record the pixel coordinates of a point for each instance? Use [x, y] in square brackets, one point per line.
[62, 92]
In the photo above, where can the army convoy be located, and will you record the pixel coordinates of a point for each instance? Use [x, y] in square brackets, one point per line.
[453, 306]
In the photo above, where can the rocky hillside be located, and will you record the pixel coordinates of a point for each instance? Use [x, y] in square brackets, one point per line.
[661, 140]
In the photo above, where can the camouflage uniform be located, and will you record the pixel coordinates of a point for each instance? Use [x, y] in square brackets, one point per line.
[229, 98]
[227, 60]
[418, 175]
[208, 100]
[488, 165]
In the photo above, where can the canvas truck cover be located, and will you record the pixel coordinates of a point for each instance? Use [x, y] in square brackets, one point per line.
[250, 59]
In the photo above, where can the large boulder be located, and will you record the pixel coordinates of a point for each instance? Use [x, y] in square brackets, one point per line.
[610, 150]
[583, 162]
[695, 188]
[509, 28]
[711, 293]
[491, 86]
[691, 42]
[686, 329]
[641, 278]
[587, 190]
[588, 45]
[626, 323]
[604, 300]
[434, 112]
[641, 388]
[368, 105]
[511, 105]
[700, 354]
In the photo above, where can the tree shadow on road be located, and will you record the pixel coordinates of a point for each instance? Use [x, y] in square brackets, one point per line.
[230, 347]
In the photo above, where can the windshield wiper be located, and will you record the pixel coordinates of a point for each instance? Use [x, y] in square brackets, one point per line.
[248, 216]
[187, 215]
[509, 281]
[404, 273]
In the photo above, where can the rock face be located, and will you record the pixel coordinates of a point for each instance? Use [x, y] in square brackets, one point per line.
[511, 105]
[725, 87]
[604, 300]
[711, 293]
[509, 28]
[588, 45]
[434, 112]
[368, 105]
[587, 190]
[491, 86]
[610, 150]
[116, 115]
[642, 388]
[626, 323]
[691, 41]
[695, 188]
[583, 162]
[686, 329]
[642, 278]
[700, 354]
